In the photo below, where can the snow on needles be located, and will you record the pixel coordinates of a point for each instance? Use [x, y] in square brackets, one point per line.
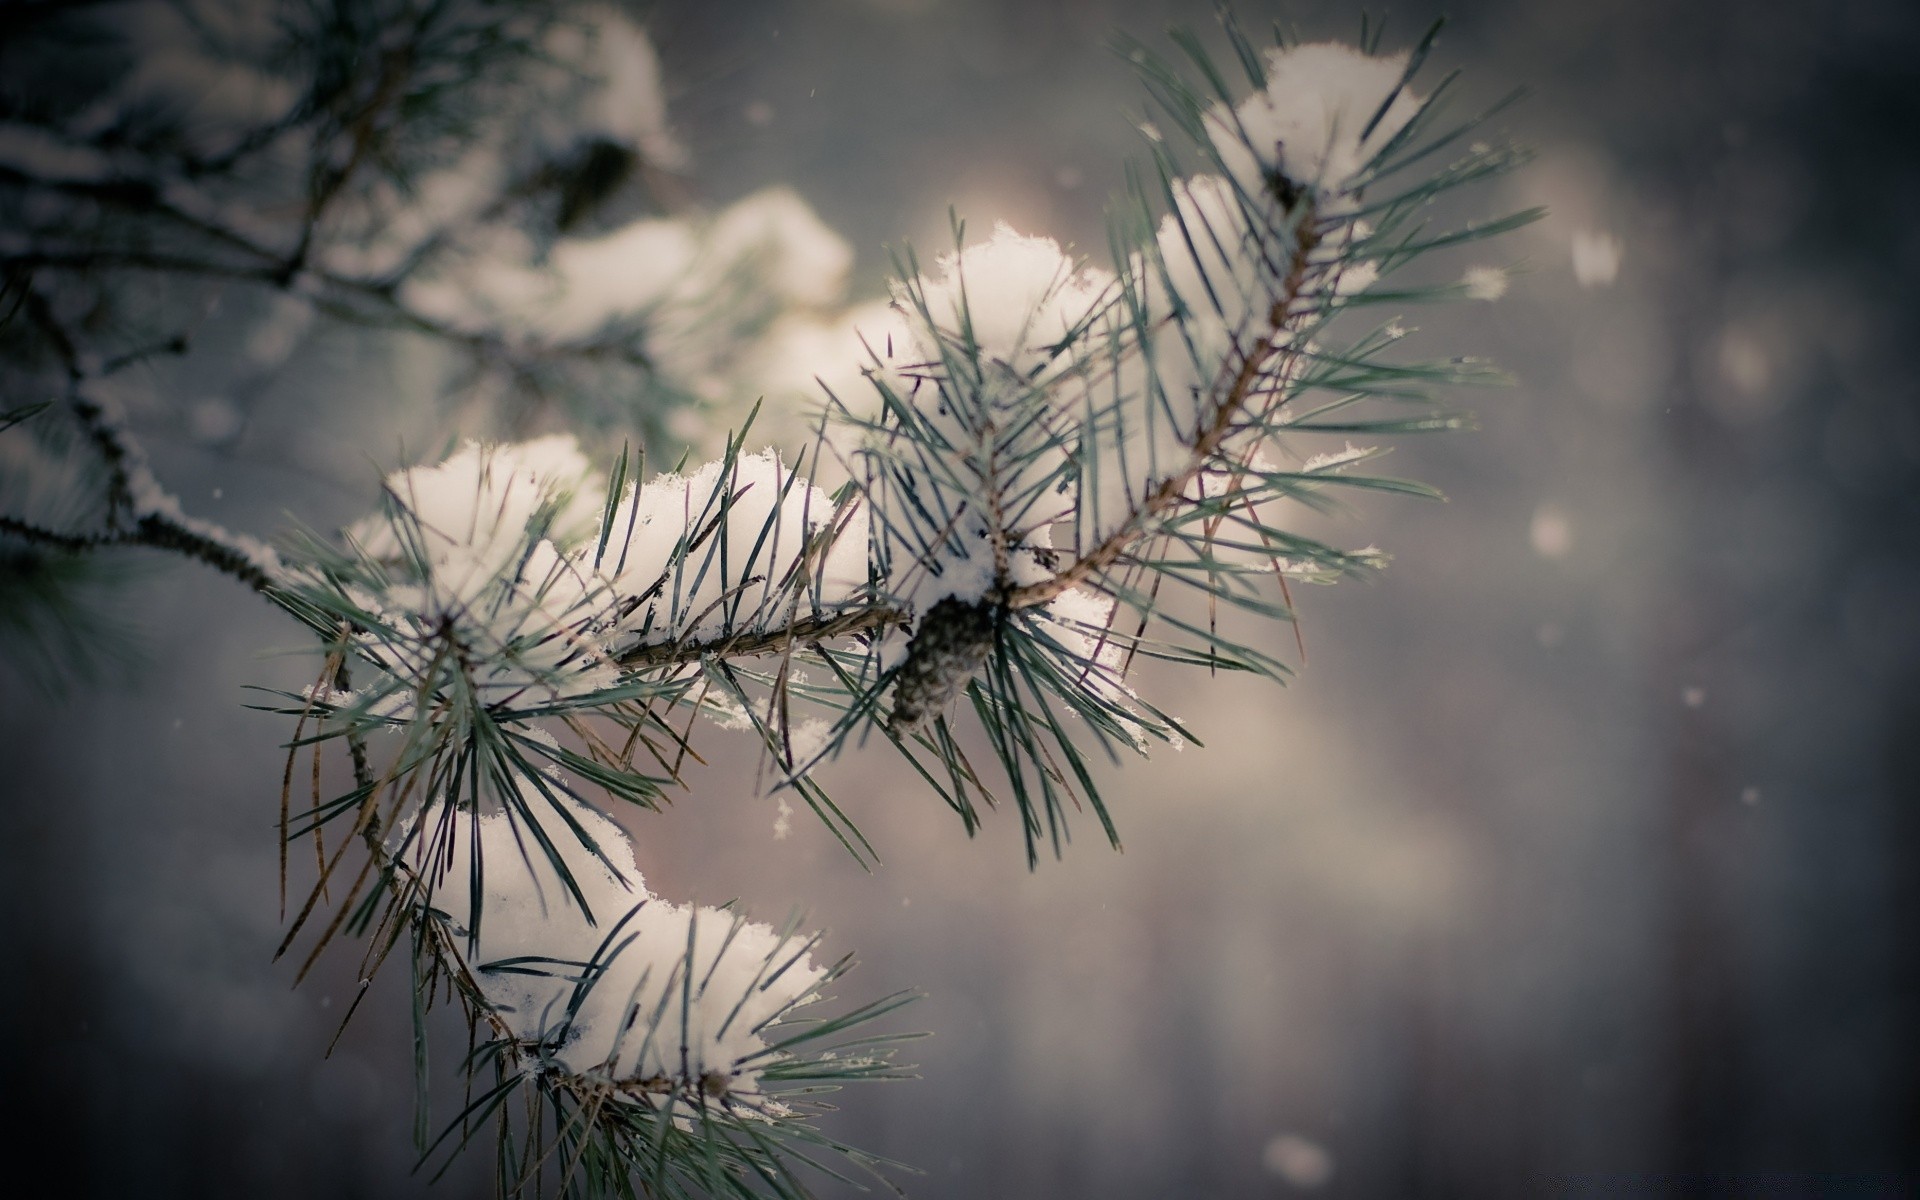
[1327, 112]
[650, 270]
[730, 548]
[542, 902]
[1018, 299]
[624, 101]
[504, 545]
[486, 548]
[474, 512]
[992, 332]
[604, 978]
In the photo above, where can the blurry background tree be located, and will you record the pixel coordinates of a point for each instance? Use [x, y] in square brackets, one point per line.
[1598, 892]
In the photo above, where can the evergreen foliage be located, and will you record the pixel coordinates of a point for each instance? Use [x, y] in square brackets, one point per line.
[1044, 472]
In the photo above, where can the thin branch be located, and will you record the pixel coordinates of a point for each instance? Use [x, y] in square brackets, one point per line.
[73, 543]
[139, 510]
[1170, 492]
[751, 643]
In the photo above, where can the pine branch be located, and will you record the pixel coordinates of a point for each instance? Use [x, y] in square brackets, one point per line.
[53, 539]
[754, 643]
[139, 511]
[1247, 384]
[523, 628]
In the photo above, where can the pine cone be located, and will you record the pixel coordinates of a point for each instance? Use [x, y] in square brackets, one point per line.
[952, 644]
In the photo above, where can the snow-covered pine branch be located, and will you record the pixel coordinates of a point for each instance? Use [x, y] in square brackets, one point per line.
[1029, 472]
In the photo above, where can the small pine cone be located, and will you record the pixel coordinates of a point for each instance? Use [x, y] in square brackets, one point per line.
[952, 644]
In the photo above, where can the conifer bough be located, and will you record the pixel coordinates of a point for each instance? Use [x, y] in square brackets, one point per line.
[1030, 473]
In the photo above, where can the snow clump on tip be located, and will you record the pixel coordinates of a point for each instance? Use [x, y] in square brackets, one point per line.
[1017, 298]
[482, 497]
[623, 98]
[624, 986]
[490, 542]
[1315, 121]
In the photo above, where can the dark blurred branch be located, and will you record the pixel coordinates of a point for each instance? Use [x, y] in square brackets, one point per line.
[139, 511]
[362, 124]
[73, 543]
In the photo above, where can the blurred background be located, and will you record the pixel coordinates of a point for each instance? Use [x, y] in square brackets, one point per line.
[1577, 860]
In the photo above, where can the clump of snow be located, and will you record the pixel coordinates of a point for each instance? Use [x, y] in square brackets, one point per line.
[624, 99]
[807, 740]
[1080, 623]
[1021, 301]
[728, 548]
[1337, 460]
[1211, 251]
[583, 285]
[998, 335]
[1327, 112]
[489, 541]
[608, 980]
[506, 544]
[804, 358]
[683, 277]
[1211, 262]
[475, 508]
[776, 235]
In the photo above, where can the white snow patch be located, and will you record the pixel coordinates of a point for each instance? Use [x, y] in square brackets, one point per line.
[626, 102]
[1326, 113]
[659, 989]
[1018, 298]
[807, 740]
[705, 555]
[671, 272]
[1337, 460]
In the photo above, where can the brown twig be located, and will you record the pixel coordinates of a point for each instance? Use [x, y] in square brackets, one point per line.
[1170, 492]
